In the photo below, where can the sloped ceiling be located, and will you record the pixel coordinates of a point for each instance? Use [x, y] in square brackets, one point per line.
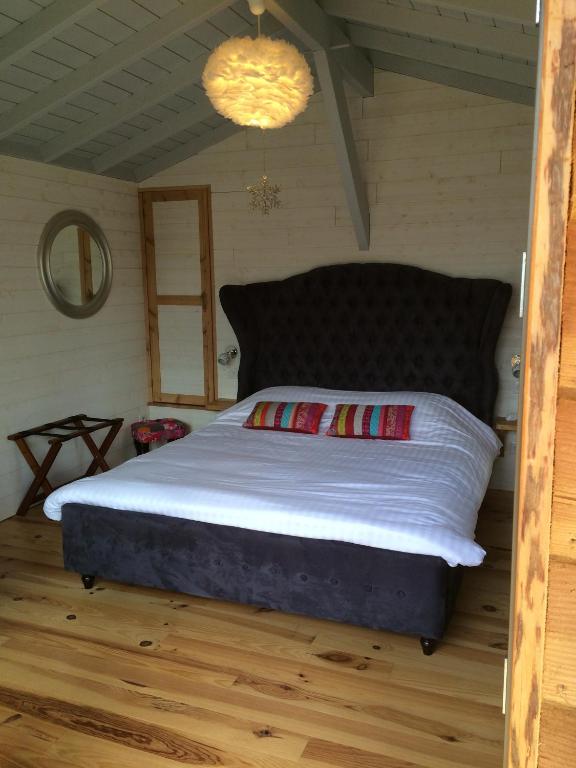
[114, 86]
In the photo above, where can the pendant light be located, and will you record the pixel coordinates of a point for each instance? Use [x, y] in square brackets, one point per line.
[258, 81]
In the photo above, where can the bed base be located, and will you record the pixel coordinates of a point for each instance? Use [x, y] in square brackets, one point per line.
[428, 644]
[351, 583]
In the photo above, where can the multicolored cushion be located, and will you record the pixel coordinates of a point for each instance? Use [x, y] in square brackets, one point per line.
[286, 417]
[376, 422]
[153, 430]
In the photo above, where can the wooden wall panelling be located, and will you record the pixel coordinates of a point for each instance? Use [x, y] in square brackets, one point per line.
[558, 729]
[530, 717]
[568, 354]
[51, 365]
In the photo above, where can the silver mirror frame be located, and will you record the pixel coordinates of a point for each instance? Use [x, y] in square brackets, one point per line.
[56, 224]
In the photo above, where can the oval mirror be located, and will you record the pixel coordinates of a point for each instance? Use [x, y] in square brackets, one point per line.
[75, 264]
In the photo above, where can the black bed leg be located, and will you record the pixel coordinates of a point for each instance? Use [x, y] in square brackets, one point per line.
[428, 645]
[88, 580]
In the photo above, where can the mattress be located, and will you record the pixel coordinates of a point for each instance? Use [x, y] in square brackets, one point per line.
[420, 496]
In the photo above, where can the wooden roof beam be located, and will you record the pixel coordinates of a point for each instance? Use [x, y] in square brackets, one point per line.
[41, 27]
[520, 11]
[429, 25]
[317, 31]
[202, 110]
[336, 104]
[186, 16]
[25, 152]
[190, 148]
[184, 76]
[199, 112]
[455, 78]
[187, 150]
[334, 56]
[448, 66]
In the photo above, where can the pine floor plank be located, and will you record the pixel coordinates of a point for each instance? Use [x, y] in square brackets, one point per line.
[28, 742]
[127, 731]
[130, 676]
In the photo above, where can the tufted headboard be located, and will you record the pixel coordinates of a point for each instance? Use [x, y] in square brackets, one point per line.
[371, 327]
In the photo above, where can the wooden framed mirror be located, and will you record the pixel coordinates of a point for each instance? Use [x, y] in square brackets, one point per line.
[75, 264]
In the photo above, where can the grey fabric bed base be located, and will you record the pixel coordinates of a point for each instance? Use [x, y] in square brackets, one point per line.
[377, 588]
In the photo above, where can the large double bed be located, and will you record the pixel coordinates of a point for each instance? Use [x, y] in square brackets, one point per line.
[369, 532]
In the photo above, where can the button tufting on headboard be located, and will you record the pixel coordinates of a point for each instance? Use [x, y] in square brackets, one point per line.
[371, 327]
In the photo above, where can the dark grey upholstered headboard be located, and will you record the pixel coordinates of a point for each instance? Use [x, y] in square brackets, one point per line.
[371, 327]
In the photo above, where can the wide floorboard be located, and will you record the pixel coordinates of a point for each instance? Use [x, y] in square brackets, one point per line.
[139, 678]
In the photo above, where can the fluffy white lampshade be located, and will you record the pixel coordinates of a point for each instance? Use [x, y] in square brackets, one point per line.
[259, 82]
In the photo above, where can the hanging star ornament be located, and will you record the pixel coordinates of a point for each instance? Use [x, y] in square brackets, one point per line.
[264, 196]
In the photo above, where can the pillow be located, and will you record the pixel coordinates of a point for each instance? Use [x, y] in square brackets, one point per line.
[377, 422]
[286, 417]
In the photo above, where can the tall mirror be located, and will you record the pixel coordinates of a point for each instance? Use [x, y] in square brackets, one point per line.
[75, 264]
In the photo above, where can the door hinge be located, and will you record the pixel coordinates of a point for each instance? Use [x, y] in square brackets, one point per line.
[505, 688]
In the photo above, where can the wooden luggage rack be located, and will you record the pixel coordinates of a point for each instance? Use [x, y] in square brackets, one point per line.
[66, 430]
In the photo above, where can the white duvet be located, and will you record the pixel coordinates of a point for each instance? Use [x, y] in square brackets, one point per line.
[420, 496]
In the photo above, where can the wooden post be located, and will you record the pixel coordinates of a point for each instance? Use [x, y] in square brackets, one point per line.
[538, 414]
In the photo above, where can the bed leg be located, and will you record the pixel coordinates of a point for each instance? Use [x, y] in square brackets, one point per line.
[428, 645]
[88, 580]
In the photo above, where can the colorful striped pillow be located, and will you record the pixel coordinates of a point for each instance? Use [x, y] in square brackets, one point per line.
[377, 422]
[286, 417]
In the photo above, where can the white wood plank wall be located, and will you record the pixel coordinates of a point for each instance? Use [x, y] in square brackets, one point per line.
[53, 366]
[448, 175]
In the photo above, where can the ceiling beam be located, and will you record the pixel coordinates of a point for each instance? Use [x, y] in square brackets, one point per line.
[317, 31]
[429, 25]
[455, 78]
[520, 11]
[42, 27]
[23, 151]
[336, 104]
[184, 76]
[187, 150]
[202, 110]
[443, 55]
[175, 23]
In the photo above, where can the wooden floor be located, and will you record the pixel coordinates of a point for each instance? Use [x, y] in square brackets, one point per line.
[123, 677]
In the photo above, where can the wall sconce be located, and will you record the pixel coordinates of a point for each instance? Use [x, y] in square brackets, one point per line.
[229, 354]
[515, 365]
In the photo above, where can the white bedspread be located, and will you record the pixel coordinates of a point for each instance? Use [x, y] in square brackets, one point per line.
[421, 496]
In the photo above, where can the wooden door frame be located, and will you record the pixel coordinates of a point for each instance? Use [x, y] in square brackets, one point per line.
[202, 195]
[541, 353]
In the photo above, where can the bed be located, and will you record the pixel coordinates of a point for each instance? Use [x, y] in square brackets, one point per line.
[337, 334]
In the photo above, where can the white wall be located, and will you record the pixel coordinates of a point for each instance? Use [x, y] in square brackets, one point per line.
[52, 366]
[448, 181]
